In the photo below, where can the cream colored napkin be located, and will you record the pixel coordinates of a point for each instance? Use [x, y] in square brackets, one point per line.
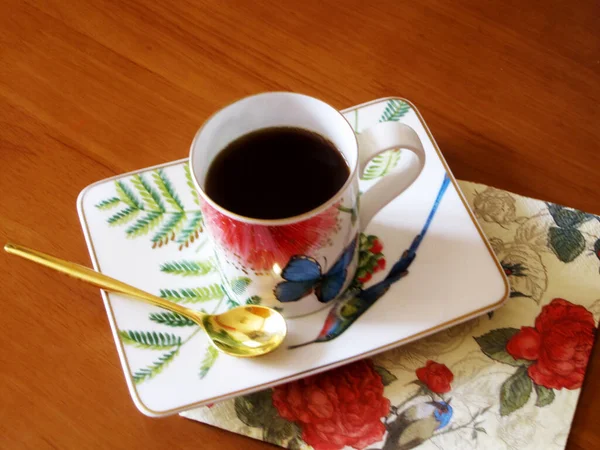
[510, 379]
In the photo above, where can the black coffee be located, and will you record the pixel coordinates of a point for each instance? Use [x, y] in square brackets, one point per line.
[274, 173]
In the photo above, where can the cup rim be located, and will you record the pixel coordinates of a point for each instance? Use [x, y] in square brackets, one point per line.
[287, 220]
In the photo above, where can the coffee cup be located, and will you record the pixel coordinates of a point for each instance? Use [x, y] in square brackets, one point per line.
[301, 263]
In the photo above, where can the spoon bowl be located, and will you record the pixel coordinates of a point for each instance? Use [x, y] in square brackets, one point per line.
[244, 331]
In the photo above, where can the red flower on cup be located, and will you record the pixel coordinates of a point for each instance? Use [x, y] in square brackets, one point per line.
[371, 259]
[341, 407]
[259, 247]
[376, 246]
[365, 278]
[560, 345]
[437, 377]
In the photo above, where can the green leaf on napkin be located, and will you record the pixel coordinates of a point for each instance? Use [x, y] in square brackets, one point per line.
[545, 396]
[278, 430]
[296, 444]
[387, 377]
[566, 243]
[151, 340]
[493, 344]
[257, 410]
[171, 319]
[515, 391]
[422, 386]
[567, 218]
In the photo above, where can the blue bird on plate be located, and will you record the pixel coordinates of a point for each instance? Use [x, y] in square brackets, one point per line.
[304, 274]
[416, 424]
[355, 302]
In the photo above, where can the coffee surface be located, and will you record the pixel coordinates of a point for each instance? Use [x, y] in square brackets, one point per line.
[275, 173]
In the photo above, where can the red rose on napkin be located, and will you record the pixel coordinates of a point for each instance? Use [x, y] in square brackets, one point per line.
[436, 376]
[343, 406]
[560, 344]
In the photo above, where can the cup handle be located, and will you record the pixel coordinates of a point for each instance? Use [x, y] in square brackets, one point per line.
[375, 140]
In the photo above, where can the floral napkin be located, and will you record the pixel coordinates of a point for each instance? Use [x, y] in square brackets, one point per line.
[510, 379]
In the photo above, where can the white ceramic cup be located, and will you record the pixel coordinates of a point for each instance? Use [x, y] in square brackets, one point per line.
[298, 264]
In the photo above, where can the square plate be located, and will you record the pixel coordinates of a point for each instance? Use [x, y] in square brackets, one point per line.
[145, 229]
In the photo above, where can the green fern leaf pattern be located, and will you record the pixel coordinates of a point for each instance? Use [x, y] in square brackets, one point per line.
[171, 319]
[166, 189]
[254, 300]
[208, 361]
[145, 224]
[385, 162]
[157, 195]
[394, 111]
[382, 164]
[191, 231]
[194, 295]
[190, 183]
[126, 195]
[109, 203]
[239, 285]
[188, 268]
[157, 367]
[167, 232]
[124, 216]
[148, 193]
[151, 340]
[150, 204]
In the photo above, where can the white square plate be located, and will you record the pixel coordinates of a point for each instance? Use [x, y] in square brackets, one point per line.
[168, 363]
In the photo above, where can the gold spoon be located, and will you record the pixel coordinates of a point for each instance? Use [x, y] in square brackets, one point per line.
[244, 331]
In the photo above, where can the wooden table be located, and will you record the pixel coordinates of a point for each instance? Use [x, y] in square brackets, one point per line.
[91, 89]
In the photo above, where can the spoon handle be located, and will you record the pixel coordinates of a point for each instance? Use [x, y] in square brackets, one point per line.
[95, 278]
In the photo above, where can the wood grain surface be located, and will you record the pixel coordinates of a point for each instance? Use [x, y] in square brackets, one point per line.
[92, 89]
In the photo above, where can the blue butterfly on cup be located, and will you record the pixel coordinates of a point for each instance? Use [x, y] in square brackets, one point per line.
[304, 275]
